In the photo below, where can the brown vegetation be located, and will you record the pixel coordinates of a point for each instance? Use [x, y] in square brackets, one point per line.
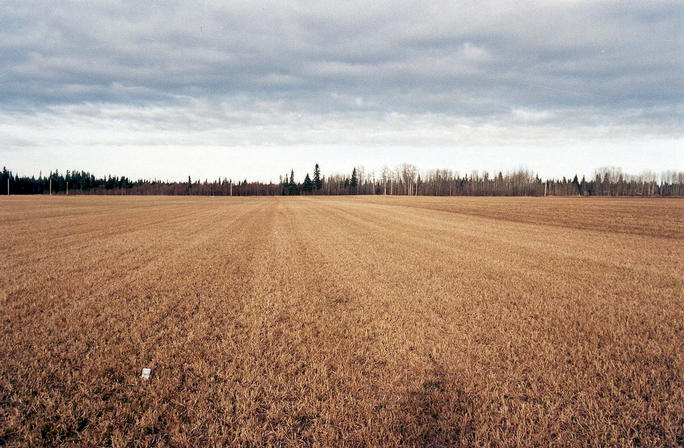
[341, 321]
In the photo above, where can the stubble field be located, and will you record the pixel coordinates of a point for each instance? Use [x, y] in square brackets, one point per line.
[349, 321]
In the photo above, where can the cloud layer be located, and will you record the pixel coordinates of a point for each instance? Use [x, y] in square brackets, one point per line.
[250, 74]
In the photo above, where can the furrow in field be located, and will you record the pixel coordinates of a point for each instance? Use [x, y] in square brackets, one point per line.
[142, 319]
[606, 215]
[498, 298]
[340, 322]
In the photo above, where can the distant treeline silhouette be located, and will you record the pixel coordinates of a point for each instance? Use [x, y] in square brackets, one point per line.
[405, 179]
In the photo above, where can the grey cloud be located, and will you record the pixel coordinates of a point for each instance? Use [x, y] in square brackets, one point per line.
[559, 62]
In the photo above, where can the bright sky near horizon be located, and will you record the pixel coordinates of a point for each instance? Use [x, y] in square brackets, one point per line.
[210, 89]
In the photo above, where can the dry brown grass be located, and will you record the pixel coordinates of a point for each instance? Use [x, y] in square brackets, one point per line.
[342, 321]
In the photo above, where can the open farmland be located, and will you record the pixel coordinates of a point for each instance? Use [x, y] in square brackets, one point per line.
[347, 321]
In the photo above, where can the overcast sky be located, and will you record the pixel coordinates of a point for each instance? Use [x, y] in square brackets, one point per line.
[169, 89]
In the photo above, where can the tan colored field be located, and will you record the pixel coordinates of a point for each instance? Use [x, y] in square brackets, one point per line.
[342, 321]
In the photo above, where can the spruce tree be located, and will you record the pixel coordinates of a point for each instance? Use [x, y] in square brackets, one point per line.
[308, 185]
[292, 186]
[318, 183]
[354, 181]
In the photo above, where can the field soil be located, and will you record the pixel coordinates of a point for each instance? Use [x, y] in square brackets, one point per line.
[343, 321]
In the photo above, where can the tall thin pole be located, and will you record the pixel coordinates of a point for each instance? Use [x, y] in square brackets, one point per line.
[8, 186]
[50, 186]
[67, 192]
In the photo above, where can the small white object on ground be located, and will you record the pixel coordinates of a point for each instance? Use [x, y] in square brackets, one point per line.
[146, 373]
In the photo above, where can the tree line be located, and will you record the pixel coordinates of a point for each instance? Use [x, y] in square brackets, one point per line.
[405, 179]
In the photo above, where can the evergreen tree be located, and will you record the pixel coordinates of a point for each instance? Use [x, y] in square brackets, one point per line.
[576, 183]
[292, 186]
[318, 183]
[4, 177]
[308, 185]
[354, 181]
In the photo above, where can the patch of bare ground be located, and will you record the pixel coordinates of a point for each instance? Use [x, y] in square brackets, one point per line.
[341, 321]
